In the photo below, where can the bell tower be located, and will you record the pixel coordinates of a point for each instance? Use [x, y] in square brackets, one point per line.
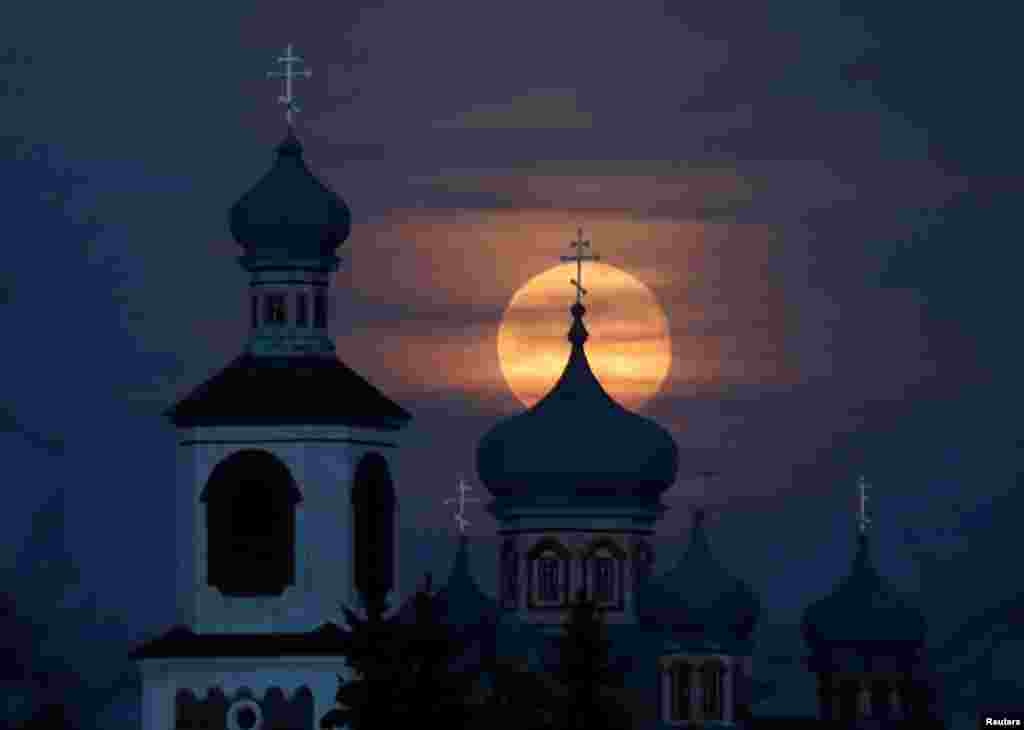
[285, 501]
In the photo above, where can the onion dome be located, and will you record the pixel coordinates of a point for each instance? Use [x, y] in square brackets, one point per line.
[465, 604]
[577, 441]
[289, 213]
[698, 597]
[863, 609]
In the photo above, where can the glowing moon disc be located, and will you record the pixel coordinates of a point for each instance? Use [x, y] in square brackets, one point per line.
[629, 349]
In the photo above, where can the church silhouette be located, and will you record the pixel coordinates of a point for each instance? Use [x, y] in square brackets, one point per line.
[285, 504]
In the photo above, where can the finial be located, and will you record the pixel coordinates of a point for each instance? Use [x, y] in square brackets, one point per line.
[579, 257]
[288, 99]
[462, 488]
[862, 514]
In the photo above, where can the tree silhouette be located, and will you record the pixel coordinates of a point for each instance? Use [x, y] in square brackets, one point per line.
[404, 671]
[519, 699]
[586, 672]
[435, 691]
[374, 653]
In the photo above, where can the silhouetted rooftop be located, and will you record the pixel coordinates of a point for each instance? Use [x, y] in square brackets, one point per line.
[255, 390]
[699, 598]
[289, 213]
[180, 641]
[577, 440]
[863, 608]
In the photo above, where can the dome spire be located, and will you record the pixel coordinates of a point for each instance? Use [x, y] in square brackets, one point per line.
[579, 257]
[578, 332]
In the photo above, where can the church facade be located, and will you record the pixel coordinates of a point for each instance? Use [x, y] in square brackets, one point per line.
[286, 509]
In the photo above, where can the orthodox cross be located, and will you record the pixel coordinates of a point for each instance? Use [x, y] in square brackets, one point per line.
[461, 501]
[579, 257]
[862, 516]
[288, 75]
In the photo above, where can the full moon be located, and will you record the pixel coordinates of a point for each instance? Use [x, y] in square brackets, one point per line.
[629, 348]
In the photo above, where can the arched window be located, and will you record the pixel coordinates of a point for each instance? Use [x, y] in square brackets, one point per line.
[320, 310]
[255, 311]
[301, 310]
[373, 507]
[509, 574]
[681, 689]
[275, 311]
[250, 502]
[711, 682]
[603, 573]
[848, 690]
[548, 574]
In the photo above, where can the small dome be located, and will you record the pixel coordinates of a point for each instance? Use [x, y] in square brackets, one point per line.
[699, 597]
[289, 213]
[465, 604]
[863, 608]
[577, 441]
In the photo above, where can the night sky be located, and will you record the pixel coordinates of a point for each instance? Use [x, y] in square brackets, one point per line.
[823, 197]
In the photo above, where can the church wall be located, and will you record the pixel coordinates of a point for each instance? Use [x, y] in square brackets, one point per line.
[163, 678]
[322, 462]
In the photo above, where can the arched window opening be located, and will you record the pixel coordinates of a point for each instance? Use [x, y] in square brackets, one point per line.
[301, 310]
[255, 311]
[275, 311]
[549, 574]
[848, 690]
[250, 522]
[711, 681]
[373, 506]
[681, 689]
[549, 566]
[320, 310]
[603, 571]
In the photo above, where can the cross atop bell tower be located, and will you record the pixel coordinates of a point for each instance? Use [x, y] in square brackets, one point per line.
[289, 74]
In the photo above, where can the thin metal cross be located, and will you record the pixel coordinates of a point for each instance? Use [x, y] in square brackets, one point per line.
[579, 257]
[289, 74]
[862, 516]
[463, 488]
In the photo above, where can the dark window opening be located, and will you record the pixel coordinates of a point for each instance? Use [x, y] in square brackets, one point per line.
[255, 311]
[712, 692]
[548, 569]
[274, 310]
[250, 518]
[604, 580]
[320, 311]
[301, 315]
[680, 694]
[373, 505]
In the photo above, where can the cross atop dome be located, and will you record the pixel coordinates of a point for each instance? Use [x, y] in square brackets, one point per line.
[460, 519]
[287, 98]
[579, 257]
[862, 513]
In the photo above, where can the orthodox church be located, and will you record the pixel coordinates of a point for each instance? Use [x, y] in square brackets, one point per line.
[286, 509]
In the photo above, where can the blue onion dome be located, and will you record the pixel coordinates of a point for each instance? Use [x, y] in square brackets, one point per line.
[465, 604]
[699, 596]
[289, 213]
[577, 441]
[863, 608]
